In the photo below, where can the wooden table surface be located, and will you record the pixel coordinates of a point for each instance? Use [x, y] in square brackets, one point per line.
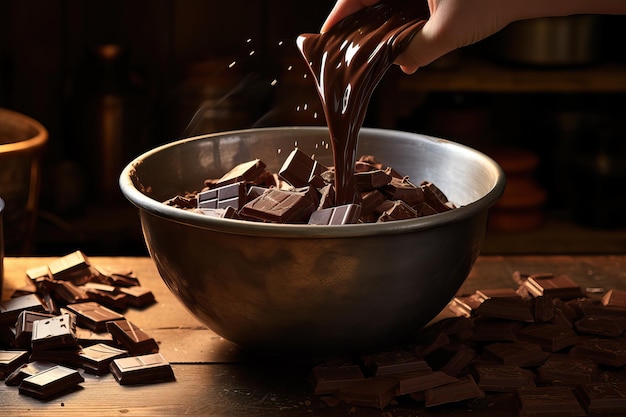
[214, 378]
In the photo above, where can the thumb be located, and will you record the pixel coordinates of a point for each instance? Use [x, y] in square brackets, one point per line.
[422, 50]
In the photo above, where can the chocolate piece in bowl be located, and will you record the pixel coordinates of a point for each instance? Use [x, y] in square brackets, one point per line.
[371, 180]
[230, 195]
[248, 171]
[346, 214]
[397, 210]
[279, 206]
[301, 170]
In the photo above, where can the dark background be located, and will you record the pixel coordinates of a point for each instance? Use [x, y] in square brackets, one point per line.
[173, 57]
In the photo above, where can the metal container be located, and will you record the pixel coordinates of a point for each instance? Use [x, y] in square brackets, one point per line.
[22, 140]
[551, 41]
[312, 290]
[1, 248]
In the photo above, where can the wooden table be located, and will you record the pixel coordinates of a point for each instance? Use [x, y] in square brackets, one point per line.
[215, 379]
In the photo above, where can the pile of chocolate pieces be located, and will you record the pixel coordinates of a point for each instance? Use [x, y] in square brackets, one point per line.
[303, 192]
[545, 348]
[69, 316]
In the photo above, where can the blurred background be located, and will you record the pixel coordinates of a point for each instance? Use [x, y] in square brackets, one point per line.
[111, 79]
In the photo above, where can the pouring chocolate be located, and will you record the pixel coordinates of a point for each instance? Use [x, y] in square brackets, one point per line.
[347, 63]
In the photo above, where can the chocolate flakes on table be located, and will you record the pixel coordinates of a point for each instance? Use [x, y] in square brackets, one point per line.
[59, 322]
[551, 356]
[303, 192]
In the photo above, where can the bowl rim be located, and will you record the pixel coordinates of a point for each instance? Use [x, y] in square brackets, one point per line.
[239, 227]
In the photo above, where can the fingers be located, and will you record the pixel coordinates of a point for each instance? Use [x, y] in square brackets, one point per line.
[344, 8]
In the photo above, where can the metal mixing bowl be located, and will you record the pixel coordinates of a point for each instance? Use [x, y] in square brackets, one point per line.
[312, 290]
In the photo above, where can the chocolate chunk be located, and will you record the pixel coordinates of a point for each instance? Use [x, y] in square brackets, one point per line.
[465, 305]
[246, 172]
[502, 378]
[144, 369]
[221, 213]
[231, 195]
[409, 382]
[106, 295]
[330, 377]
[459, 360]
[435, 197]
[87, 337]
[10, 309]
[122, 278]
[96, 359]
[71, 267]
[560, 286]
[138, 296]
[65, 292]
[93, 315]
[301, 170]
[522, 354]
[376, 392]
[614, 298]
[601, 325]
[370, 200]
[131, 337]
[602, 397]
[547, 401]
[10, 360]
[550, 337]
[279, 206]
[38, 273]
[405, 190]
[605, 351]
[566, 370]
[463, 389]
[24, 326]
[50, 382]
[506, 308]
[57, 332]
[495, 330]
[389, 362]
[338, 215]
[24, 371]
[371, 180]
[399, 210]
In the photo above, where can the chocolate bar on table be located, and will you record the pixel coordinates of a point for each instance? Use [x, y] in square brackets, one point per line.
[72, 267]
[93, 315]
[131, 337]
[96, 359]
[57, 332]
[24, 371]
[463, 389]
[393, 361]
[547, 401]
[11, 308]
[330, 377]
[138, 296]
[106, 295]
[502, 378]
[375, 392]
[50, 382]
[411, 382]
[143, 369]
[602, 397]
[11, 360]
[24, 326]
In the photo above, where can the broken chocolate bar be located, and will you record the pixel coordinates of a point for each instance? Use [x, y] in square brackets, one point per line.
[71, 267]
[338, 215]
[11, 360]
[301, 170]
[547, 401]
[230, 195]
[502, 378]
[24, 326]
[50, 382]
[246, 172]
[144, 369]
[57, 332]
[96, 359]
[93, 315]
[332, 376]
[463, 389]
[24, 371]
[10, 309]
[131, 337]
[376, 392]
[279, 206]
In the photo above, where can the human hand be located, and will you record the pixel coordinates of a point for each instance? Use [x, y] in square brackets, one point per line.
[452, 25]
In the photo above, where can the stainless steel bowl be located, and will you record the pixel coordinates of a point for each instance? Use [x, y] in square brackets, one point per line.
[312, 290]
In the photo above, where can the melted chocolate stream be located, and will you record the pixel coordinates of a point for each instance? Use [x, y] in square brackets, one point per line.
[347, 63]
